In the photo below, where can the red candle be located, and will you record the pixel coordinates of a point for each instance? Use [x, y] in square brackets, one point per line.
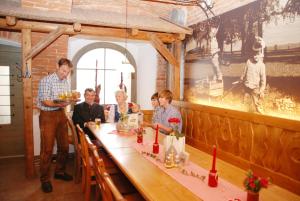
[213, 169]
[140, 135]
[156, 135]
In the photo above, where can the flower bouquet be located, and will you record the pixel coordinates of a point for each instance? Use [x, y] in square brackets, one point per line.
[175, 139]
[122, 124]
[253, 185]
[176, 133]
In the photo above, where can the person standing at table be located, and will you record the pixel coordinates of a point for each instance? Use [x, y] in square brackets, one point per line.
[166, 112]
[53, 124]
[87, 112]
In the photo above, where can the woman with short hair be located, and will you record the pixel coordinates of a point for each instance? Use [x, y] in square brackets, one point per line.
[122, 107]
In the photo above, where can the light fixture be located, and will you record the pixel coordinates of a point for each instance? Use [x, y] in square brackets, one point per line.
[207, 3]
[126, 65]
[206, 6]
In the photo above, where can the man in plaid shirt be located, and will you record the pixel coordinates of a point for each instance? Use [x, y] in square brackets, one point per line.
[53, 123]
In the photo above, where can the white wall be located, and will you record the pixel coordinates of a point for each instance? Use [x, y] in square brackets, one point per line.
[146, 74]
[37, 134]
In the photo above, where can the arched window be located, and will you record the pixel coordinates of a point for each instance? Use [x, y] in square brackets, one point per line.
[101, 64]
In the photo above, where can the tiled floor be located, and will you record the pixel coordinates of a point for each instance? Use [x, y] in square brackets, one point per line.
[14, 186]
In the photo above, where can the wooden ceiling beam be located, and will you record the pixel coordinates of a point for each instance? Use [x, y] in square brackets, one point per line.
[160, 47]
[94, 17]
[134, 32]
[47, 40]
[181, 36]
[87, 30]
[77, 27]
[11, 20]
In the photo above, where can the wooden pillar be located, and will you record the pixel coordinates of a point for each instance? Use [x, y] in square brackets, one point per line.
[173, 60]
[176, 69]
[27, 104]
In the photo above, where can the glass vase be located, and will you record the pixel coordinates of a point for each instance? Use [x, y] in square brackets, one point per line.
[252, 196]
[122, 126]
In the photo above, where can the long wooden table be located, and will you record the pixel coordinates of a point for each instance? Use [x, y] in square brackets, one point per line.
[156, 185]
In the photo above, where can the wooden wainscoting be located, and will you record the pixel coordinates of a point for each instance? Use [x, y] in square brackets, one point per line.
[268, 145]
[147, 115]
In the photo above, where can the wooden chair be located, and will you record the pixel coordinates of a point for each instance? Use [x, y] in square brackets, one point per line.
[77, 150]
[125, 187]
[87, 166]
[106, 184]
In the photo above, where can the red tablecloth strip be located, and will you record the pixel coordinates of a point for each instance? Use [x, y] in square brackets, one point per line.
[225, 191]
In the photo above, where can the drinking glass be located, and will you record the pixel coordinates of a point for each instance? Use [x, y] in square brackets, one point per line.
[98, 122]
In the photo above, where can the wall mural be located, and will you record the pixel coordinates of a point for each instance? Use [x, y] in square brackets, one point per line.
[247, 59]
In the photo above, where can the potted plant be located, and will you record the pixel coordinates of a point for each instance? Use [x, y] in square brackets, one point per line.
[253, 185]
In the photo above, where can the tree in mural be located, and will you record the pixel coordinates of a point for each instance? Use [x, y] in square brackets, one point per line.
[244, 23]
[236, 27]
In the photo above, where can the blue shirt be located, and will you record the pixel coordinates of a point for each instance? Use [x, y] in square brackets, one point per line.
[49, 88]
[164, 114]
[155, 114]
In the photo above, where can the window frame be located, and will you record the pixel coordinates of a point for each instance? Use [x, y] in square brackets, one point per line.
[107, 45]
[8, 106]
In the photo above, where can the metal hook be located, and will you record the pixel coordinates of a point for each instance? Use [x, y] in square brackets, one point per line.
[27, 73]
[19, 74]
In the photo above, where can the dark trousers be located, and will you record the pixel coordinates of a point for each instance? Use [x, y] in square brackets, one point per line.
[53, 125]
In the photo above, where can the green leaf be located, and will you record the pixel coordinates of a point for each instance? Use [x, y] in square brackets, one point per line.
[178, 135]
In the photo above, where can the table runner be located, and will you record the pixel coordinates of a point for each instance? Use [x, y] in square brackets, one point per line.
[121, 133]
[224, 192]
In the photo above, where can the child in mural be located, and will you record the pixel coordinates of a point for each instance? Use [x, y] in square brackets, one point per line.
[214, 49]
[254, 76]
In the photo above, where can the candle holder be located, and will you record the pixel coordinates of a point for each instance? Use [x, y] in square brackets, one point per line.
[155, 148]
[213, 178]
[139, 135]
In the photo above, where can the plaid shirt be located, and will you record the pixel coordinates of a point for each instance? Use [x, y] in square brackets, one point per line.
[49, 88]
[156, 111]
[164, 114]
